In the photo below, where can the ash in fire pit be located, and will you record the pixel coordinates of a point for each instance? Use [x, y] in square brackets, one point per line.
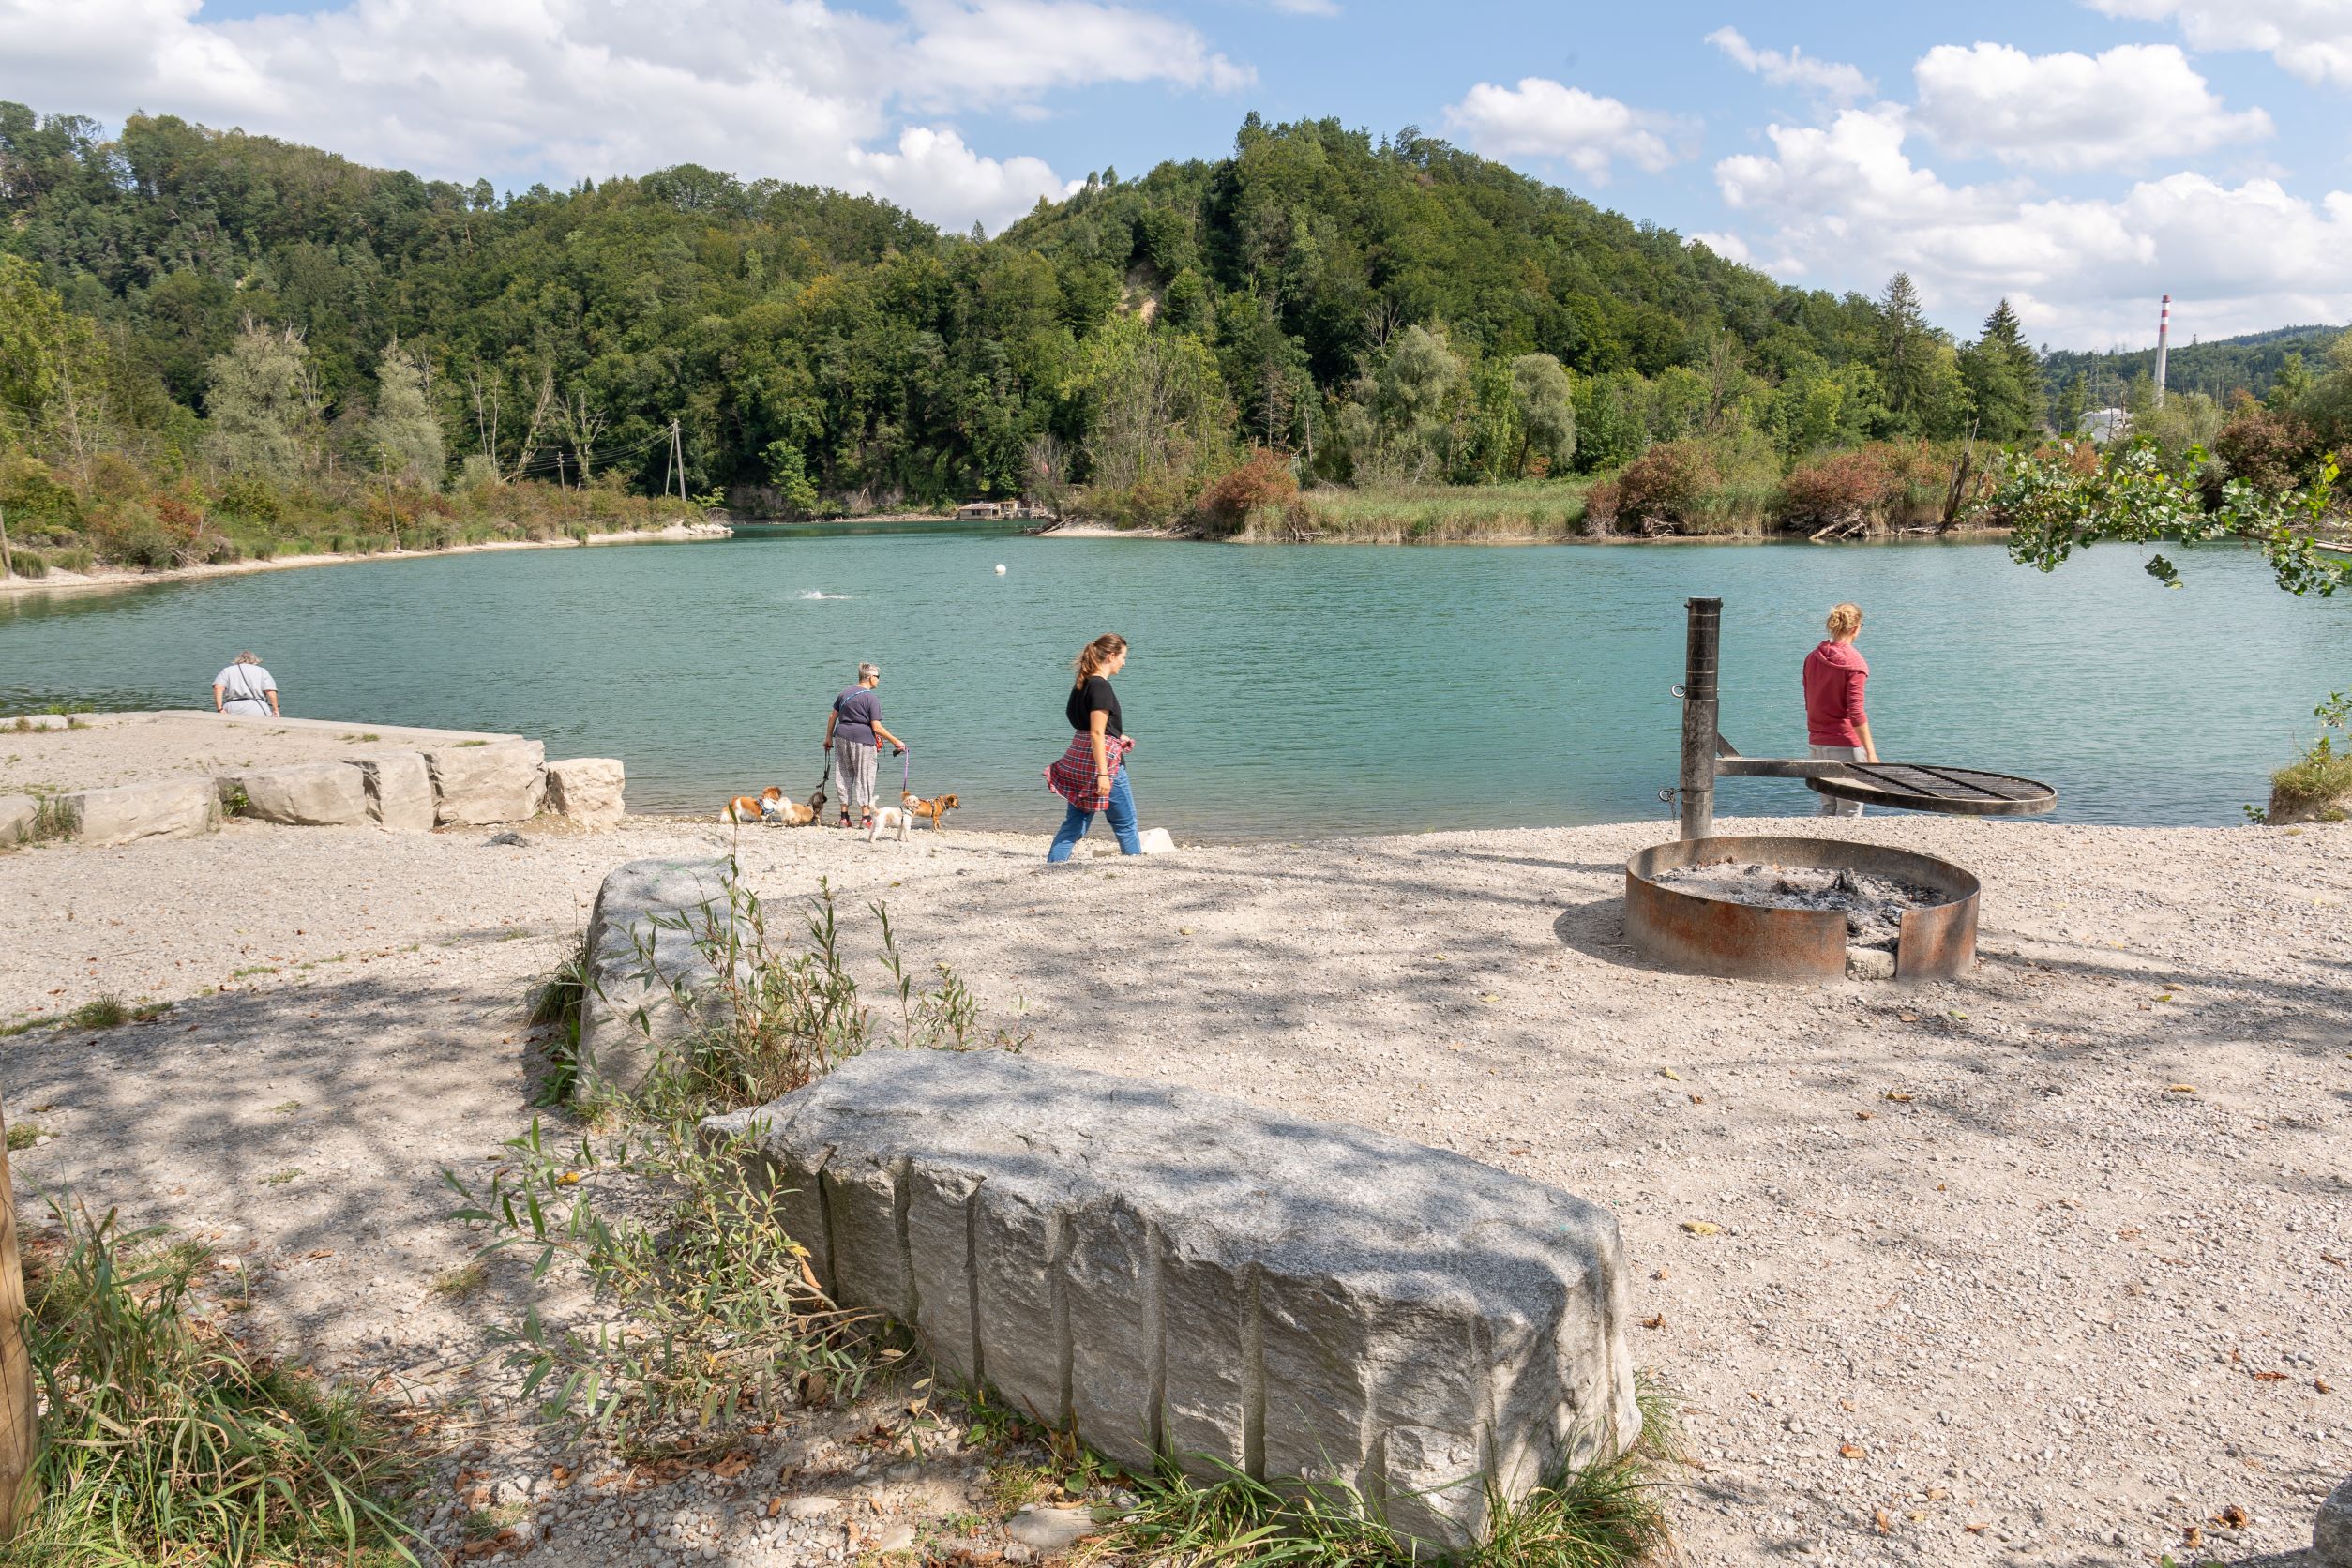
[1874, 905]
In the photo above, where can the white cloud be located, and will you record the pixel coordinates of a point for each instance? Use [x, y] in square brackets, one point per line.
[2312, 39]
[2132, 106]
[1307, 8]
[796, 89]
[1539, 119]
[1830, 78]
[1848, 206]
[967, 50]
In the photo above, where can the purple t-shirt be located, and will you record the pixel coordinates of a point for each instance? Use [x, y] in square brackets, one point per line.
[858, 713]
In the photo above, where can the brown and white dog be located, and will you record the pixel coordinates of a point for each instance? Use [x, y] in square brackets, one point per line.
[774, 807]
[936, 809]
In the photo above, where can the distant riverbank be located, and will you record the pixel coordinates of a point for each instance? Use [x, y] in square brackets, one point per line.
[57, 580]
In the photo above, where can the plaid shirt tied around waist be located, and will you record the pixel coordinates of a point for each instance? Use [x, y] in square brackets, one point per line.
[1072, 775]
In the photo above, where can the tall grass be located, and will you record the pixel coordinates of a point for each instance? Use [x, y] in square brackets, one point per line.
[711, 1316]
[1533, 509]
[163, 1443]
[1608, 1513]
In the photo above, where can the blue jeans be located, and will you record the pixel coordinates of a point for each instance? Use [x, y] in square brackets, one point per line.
[1075, 820]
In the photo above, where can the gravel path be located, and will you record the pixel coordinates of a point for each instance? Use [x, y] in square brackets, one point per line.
[2049, 1266]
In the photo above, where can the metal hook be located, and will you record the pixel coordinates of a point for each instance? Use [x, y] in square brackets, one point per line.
[1678, 689]
[1667, 796]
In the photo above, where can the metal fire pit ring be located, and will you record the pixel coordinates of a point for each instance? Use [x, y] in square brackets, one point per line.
[1703, 935]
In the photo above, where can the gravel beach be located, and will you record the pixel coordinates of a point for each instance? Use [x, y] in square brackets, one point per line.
[2049, 1266]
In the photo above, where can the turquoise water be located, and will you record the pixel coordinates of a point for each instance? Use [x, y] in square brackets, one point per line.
[1293, 691]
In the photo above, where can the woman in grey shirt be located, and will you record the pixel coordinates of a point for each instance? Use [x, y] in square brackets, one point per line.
[245, 688]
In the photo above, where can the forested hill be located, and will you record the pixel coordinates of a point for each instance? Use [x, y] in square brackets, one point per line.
[2219, 368]
[826, 343]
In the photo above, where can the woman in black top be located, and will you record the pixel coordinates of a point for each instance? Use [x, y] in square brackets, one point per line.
[1093, 774]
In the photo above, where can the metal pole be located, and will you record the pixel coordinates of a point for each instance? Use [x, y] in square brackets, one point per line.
[1699, 701]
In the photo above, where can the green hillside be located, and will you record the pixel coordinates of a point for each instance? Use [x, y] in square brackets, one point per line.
[275, 341]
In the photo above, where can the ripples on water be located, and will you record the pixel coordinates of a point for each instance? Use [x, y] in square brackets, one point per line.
[1287, 692]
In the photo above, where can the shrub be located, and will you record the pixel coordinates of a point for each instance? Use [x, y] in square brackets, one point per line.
[1265, 483]
[252, 498]
[163, 1442]
[1600, 508]
[28, 563]
[1697, 486]
[35, 496]
[1882, 486]
[2269, 450]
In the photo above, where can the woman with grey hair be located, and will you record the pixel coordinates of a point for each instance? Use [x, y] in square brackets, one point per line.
[855, 723]
[245, 688]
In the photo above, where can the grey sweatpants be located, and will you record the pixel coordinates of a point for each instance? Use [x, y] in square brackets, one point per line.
[853, 777]
[1831, 805]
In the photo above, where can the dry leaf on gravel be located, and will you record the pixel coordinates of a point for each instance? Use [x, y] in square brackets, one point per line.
[1865, 1115]
[1852, 1450]
[2270, 1376]
[1886, 1525]
[1898, 1096]
[2232, 1517]
[1703, 1227]
[1669, 1072]
[2322, 1385]
[2181, 1089]
[1656, 1320]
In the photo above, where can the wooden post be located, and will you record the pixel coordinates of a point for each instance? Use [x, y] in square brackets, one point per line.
[20, 1425]
[7, 564]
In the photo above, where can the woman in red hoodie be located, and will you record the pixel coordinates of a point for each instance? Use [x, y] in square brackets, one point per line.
[1835, 722]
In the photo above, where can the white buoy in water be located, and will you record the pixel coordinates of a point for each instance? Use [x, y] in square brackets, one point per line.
[1000, 568]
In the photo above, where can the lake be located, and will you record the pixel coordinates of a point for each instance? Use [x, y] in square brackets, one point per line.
[1291, 691]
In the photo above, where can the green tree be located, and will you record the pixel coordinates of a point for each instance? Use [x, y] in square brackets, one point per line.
[1906, 359]
[788, 473]
[404, 432]
[2066, 416]
[2003, 378]
[263, 407]
[1547, 407]
[1414, 399]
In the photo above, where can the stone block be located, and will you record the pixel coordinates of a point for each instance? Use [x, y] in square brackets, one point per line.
[399, 791]
[500, 781]
[306, 794]
[586, 789]
[18, 813]
[2331, 1531]
[161, 808]
[650, 978]
[1195, 1277]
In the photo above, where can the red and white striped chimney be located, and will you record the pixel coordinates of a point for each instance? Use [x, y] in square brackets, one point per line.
[2164, 338]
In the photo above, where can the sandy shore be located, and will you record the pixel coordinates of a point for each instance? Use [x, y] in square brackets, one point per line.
[2043, 1267]
[124, 577]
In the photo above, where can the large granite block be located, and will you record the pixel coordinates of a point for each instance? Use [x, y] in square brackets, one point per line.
[399, 791]
[500, 781]
[161, 808]
[1195, 1277]
[303, 795]
[587, 789]
[18, 816]
[650, 978]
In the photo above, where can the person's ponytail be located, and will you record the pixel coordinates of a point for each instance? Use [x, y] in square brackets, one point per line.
[1095, 656]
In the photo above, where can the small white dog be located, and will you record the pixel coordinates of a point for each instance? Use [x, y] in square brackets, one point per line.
[889, 817]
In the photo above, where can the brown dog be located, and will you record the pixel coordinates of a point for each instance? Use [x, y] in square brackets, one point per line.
[773, 808]
[935, 809]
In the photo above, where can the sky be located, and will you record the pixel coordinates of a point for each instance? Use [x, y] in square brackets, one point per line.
[2078, 156]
